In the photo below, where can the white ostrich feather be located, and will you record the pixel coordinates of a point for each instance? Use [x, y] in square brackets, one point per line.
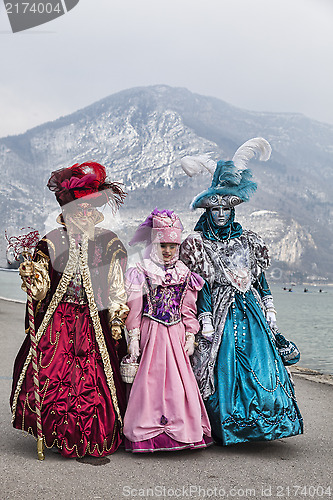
[193, 165]
[258, 147]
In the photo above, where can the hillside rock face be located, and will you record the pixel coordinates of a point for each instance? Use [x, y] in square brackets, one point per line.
[287, 240]
[141, 134]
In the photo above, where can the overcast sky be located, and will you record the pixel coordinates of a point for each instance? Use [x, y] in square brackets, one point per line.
[261, 55]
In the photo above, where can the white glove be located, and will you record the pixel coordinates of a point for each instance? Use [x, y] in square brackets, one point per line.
[270, 312]
[271, 318]
[133, 347]
[207, 330]
[189, 343]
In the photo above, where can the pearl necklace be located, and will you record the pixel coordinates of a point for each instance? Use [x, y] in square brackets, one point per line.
[217, 236]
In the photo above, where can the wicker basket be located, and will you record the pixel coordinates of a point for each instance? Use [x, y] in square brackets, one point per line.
[128, 371]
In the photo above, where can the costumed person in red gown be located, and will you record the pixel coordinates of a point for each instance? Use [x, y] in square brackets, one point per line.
[79, 308]
[165, 410]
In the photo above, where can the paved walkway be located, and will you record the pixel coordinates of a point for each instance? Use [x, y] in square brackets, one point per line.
[298, 467]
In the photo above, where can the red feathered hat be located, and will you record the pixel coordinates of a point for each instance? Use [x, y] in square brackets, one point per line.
[87, 181]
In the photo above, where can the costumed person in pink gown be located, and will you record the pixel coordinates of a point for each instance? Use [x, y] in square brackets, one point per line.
[79, 308]
[165, 410]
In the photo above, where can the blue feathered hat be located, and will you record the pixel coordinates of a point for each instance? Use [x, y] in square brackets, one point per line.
[232, 182]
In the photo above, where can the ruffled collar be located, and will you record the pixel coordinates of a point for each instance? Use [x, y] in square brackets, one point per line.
[162, 275]
[155, 256]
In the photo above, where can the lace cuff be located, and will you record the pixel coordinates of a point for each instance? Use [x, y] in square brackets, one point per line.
[203, 316]
[189, 336]
[268, 303]
[134, 334]
[117, 307]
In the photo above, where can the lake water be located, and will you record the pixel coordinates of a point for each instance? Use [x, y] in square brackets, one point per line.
[307, 320]
[304, 318]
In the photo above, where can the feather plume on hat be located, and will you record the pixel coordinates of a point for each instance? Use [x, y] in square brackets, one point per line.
[257, 147]
[86, 182]
[193, 165]
[232, 182]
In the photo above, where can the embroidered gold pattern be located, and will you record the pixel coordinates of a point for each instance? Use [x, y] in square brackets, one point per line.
[88, 450]
[43, 255]
[50, 333]
[117, 297]
[111, 243]
[114, 256]
[50, 244]
[25, 403]
[38, 307]
[28, 404]
[44, 390]
[61, 289]
[75, 255]
[54, 352]
[86, 280]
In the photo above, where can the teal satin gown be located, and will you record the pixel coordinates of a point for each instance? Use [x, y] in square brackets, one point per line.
[254, 398]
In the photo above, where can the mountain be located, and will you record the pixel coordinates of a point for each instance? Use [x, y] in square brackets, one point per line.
[141, 134]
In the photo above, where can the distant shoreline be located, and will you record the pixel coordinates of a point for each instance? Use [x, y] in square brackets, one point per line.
[316, 285]
[272, 282]
[313, 375]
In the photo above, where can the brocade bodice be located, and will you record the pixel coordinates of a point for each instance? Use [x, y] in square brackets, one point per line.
[75, 292]
[163, 303]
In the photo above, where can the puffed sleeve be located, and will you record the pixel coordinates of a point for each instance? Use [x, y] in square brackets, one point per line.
[194, 255]
[261, 262]
[134, 281]
[259, 250]
[117, 296]
[196, 282]
[191, 253]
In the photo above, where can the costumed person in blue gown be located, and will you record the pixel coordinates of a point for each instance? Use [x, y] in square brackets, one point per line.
[240, 360]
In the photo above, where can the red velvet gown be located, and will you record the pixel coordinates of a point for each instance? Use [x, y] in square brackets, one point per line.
[81, 391]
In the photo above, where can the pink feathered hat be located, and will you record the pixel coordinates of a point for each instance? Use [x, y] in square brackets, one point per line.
[159, 227]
